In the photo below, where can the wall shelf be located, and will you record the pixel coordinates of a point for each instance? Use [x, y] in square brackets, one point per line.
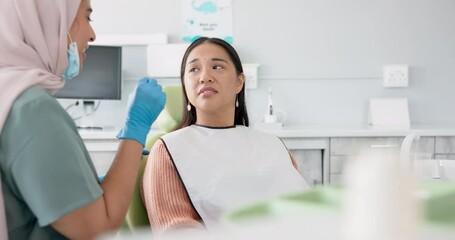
[130, 39]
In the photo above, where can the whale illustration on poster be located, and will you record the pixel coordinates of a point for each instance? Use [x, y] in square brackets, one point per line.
[210, 18]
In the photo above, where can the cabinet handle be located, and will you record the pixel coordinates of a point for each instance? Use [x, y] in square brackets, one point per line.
[383, 146]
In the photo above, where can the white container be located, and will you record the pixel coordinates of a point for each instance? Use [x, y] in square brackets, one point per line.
[380, 201]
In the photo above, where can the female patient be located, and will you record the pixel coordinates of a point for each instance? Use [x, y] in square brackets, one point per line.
[214, 162]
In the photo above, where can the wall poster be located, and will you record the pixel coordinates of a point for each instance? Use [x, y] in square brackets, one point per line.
[209, 18]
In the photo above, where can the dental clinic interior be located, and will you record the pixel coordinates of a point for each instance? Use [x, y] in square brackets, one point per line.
[332, 79]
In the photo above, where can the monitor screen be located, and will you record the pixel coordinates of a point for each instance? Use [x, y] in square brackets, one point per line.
[100, 78]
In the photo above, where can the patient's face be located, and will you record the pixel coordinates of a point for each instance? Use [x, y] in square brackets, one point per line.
[211, 80]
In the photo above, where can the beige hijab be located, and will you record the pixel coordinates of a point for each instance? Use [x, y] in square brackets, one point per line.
[33, 51]
[33, 46]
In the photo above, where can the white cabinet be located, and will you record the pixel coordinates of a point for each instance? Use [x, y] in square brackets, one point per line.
[311, 155]
[343, 149]
[310, 165]
[445, 148]
[321, 152]
[102, 147]
[324, 150]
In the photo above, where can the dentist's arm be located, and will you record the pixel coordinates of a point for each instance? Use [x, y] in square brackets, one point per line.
[108, 211]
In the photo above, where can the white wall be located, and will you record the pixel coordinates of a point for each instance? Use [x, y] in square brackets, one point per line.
[323, 58]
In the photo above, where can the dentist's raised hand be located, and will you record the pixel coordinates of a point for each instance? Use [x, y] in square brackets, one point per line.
[147, 102]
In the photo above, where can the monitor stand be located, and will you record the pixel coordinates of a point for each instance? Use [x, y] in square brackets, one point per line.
[89, 115]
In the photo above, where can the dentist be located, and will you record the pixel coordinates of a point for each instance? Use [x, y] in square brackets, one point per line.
[49, 183]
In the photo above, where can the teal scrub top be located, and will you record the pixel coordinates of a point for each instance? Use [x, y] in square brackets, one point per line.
[46, 169]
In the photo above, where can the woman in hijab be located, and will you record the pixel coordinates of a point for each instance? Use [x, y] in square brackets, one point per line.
[49, 184]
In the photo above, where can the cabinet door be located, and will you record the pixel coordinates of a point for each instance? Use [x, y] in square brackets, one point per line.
[102, 152]
[337, 164]
[336, 168]
[426, 146]
[343, 150]
[445, 150]
[445, 145]
[102, 161]
[311, 155]
[346, 149]
[310, 165]
[336, 178]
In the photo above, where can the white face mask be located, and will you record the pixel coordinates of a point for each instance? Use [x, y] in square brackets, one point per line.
[72, 70]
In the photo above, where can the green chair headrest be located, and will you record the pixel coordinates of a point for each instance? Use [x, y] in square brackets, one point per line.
[172, 113]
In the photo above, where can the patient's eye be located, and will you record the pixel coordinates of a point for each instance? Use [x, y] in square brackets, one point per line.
[217, 67]
[193, 69]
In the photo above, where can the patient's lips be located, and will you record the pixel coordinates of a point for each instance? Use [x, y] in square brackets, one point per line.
[207, 91]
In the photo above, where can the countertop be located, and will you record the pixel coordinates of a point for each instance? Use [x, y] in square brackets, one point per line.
[313, 131]
[317, 131]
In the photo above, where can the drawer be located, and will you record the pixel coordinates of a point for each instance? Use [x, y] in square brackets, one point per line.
[354, 145]
[445, 145]
[445, 156]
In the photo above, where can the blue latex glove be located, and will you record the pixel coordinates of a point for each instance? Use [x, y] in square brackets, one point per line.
[147, 101]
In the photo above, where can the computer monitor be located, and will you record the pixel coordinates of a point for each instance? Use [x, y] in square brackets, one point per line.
[100, 78]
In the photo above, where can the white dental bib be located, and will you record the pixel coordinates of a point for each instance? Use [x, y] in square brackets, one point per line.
[225, 168]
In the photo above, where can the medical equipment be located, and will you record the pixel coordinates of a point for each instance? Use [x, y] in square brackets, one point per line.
[271, 118]
[101, 78]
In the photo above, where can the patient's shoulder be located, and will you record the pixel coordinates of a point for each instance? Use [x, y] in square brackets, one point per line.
[176, 133]
[159, 154]
[158, 146]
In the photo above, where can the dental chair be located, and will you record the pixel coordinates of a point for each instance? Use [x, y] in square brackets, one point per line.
[167, 121]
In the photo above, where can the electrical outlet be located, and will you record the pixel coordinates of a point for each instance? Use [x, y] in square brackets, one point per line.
[251, 75]
[396, 75]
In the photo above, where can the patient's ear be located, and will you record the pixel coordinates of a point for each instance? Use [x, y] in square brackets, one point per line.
[240, 81]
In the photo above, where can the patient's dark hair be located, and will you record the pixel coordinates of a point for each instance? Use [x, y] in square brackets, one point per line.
[189, 117]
